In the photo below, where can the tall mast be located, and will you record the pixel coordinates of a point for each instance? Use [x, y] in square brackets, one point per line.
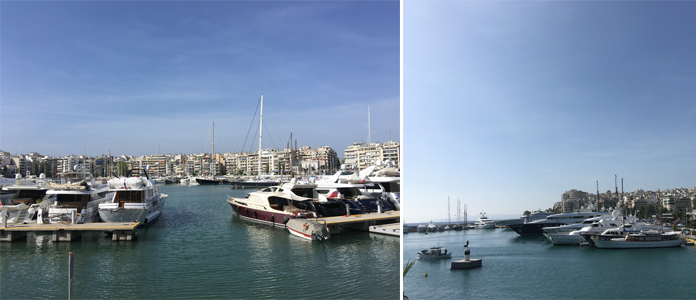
[369, 138]
[623, 204]
[212, 158]
[597, 195]
[617, 189]
[260, 131]
[448, 211]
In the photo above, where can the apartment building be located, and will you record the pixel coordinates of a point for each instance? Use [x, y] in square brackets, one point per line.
[362, 155]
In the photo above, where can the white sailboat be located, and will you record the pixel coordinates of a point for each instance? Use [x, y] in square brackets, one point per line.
[259, 180]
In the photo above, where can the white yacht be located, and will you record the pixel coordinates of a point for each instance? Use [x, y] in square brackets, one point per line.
[422, 228]
[536, 227]
[434, 253]
[135, 199]
[431, 227]
[653, 239]
[23, 198]
[388, 188]
[278, 204]
[533, 216]
[484, 222]
[80, 200]
[576, 236]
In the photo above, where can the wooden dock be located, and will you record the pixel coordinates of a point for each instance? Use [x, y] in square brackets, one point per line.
[359, 222]
[67, 231]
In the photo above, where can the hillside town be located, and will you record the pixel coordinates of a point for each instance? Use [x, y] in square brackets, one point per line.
[643, 203]
[304, 160]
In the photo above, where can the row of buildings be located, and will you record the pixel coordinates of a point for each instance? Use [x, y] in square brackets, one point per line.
[305, 160]
[671, 199]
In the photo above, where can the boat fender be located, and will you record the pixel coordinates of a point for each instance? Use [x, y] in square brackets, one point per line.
[285, 220]
[304, 226]
[255, 216]
[272, 219]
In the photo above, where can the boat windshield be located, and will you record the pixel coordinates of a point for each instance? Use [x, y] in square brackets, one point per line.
[304, 192]
[349, 193]
[391, 187]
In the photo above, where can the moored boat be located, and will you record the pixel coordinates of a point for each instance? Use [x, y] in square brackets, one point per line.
[135, 199]
[80, 200]
[536, 228]
[434, 253]
[484, 222]
[275, 205]
[653, 239]
[24, 198]
[307, 229]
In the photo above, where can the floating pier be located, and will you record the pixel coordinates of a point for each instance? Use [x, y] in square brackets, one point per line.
[466, 264]
[360, 222]
[393, 229]
[66, 232]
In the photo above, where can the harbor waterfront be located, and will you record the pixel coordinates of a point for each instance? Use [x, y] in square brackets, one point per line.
[198, 249]
[531, 267]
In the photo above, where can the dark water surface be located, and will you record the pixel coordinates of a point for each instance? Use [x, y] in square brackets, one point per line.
[516, 267]
[198, 250]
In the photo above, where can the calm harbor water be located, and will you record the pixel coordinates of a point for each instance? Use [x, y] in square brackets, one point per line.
[199, 250]
[516, 267]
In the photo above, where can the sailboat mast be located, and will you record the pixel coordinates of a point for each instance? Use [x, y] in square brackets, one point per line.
[623, 201]
[448, 211]
[212, 158]
[260, 131]
[597, 195]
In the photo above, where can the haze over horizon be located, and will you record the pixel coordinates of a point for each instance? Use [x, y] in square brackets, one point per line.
[513, 103]
[129, 76]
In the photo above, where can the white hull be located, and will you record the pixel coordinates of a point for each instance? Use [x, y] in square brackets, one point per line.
[622, 244]
[308, 230]
[131, 212]
[64, 214]
[564, 239]
[434, 256]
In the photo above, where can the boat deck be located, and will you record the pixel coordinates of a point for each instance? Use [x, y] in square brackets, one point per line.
[393, 229]
[68, 231]
[387, 215]
[359, 222]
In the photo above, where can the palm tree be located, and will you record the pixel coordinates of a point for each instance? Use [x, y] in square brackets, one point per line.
[408, 266]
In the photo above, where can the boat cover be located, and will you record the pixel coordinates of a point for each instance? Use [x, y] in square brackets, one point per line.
[128, 183]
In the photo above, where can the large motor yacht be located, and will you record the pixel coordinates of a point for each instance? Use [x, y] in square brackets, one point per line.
[80, 200]
[23, 198]
[651, 239]
[536, 227]
[135, 199]
[484, 222]
[277, 205]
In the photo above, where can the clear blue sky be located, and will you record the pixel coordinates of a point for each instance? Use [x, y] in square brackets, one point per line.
[129, 76]
[508, 104]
